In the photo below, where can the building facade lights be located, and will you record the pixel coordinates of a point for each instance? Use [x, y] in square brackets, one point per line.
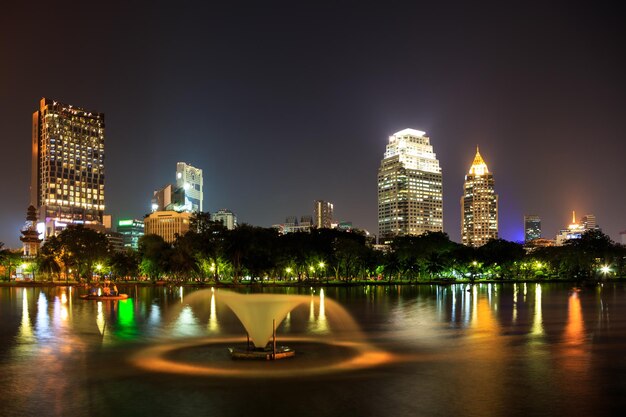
[67, 182]
[410, 187]
[479, 205]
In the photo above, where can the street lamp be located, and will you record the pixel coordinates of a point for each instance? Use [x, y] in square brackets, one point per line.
[288, 271]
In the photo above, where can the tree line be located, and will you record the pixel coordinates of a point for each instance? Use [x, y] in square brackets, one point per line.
[211, 253]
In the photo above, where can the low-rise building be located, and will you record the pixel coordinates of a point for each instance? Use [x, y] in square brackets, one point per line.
[226, 217]
[167, 224]
[116, 240]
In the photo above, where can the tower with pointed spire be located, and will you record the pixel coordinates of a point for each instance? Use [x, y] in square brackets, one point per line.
[479, 205]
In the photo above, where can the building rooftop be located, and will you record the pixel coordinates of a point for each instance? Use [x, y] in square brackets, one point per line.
[479, 167]
[411, 132]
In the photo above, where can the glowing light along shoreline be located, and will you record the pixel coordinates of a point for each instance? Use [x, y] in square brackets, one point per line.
[154, 359]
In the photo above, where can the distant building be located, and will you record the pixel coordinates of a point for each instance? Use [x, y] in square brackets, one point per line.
[532, 227]
[167, 224]
[410, 187]
[323, 214]
[538, 243]
[575, 229]
[226, 217]
[345, 226]
[292, 225]
[131, 230]
[189, 178]
[67, 184]
[167, 198]
[589, 222]
[623, 236]
[479, 205]
[116, 240]
[107, 221]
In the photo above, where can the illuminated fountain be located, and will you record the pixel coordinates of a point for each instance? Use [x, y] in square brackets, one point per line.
[334, 343]
[260, 314]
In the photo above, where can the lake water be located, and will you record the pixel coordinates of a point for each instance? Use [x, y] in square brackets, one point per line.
[495, 350]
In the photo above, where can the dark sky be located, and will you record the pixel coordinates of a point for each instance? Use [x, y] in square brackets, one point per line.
[284, 103]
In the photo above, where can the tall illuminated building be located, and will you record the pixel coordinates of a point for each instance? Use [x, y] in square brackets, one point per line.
[189, 178]
[323, 214]
[479, 205]
[410, 187]
[67, 184]
[532, 227]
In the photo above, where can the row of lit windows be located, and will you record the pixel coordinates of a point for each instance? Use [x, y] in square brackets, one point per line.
[83, 204]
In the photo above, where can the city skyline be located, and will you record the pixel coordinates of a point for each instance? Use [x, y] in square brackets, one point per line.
[322, 104]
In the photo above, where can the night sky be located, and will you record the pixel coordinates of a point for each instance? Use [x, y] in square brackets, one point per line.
[283, 103]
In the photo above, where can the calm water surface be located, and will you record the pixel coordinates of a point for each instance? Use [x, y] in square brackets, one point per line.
[496, 350]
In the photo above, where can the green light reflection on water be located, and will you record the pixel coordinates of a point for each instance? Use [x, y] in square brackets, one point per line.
[126, 328]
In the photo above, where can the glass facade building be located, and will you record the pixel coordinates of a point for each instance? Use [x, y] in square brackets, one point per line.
[131, 231]
[532, 227]
[410, 187]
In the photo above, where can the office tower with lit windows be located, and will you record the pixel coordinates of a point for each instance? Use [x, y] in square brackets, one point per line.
[532, 227]
[323, 214]
[67, 184]
[410, 187]
[189, 179]
[479, 205]
[131, 230]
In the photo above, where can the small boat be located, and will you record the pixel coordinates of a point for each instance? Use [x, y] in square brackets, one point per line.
[104, 297]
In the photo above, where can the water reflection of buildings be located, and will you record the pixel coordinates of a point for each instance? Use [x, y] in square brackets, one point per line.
[537, 327]
[318, 324]
[574, 335]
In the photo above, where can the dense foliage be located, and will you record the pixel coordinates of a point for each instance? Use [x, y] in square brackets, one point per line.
[211, 253]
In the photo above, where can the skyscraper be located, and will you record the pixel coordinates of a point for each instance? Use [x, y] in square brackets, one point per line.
[532, 227]
[67, 184]
[479, 205]
[410, 187]
[323, 214]
[189, 179]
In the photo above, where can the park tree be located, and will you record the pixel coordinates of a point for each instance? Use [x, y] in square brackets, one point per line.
[125, 264]
[155, 255]
[77, 248]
